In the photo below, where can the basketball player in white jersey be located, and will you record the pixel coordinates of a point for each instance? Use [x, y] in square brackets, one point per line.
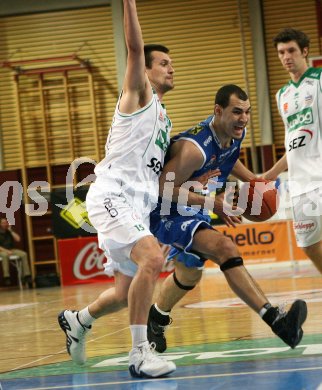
[300, 106]
[124, 193]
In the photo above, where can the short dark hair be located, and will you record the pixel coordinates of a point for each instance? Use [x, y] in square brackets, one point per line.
[223, 94]
[290, 34]
[148, 49]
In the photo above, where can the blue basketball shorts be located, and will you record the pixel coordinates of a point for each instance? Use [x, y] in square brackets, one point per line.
[178, 231]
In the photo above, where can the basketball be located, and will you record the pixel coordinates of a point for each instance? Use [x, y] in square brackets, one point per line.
[260, 198]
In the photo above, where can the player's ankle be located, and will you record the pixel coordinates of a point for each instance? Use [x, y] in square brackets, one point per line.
[158, 315]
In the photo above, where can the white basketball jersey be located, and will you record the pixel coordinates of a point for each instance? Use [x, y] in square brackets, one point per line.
[135, 151]
[300, 105]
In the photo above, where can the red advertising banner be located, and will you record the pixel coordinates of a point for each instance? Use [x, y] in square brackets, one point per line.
[81, 261]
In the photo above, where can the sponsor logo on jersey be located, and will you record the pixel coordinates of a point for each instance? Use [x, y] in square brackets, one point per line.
[302, 118]
[310, 82]
[195, 130]
[207, 141]
[155, 165]
[110, 207]
[300, 141]
[303, 227]
[162, 139]
[285, 108]
[310, 132]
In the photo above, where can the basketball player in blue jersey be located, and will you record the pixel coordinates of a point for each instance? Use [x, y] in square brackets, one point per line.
[212, 145]
[125, 191]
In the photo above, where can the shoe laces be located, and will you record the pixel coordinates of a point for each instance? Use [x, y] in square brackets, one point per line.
[148, 352]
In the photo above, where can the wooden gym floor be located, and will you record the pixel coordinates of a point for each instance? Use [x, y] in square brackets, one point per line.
[216, 341]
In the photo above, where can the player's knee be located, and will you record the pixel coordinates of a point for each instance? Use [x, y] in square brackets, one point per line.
[231, 263]
[152, 265]
[227, 248]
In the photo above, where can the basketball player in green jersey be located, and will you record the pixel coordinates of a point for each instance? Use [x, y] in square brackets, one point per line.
[126, 190]
[300, 105]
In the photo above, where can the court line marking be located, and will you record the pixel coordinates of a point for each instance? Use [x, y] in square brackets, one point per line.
[171, 379]
[64, 350]
[16, 306]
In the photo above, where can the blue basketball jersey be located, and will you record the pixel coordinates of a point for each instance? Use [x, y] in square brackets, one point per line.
[176, 224]
[215, 156]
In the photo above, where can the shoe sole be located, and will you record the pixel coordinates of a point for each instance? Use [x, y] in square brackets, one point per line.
[298, 313]
[62, 323]
[142, 374]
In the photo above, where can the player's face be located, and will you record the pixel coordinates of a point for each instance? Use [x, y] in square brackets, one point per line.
[235, 117]
[161, 72]
[291, 56]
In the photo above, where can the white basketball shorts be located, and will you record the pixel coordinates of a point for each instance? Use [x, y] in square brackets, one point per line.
[119, 224]
[307, 217]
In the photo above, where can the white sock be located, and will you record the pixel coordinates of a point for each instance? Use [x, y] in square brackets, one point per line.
[262, 311]
[85, 317]
[139, 334]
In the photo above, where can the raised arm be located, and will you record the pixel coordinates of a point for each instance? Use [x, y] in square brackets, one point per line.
[136, 87]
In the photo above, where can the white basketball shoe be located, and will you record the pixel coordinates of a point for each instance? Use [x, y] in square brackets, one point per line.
[145, 363]
[75, 335]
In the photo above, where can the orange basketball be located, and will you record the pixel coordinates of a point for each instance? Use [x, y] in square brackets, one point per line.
[260, 198]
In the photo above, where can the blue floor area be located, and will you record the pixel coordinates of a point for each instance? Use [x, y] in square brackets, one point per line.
[278, 374]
